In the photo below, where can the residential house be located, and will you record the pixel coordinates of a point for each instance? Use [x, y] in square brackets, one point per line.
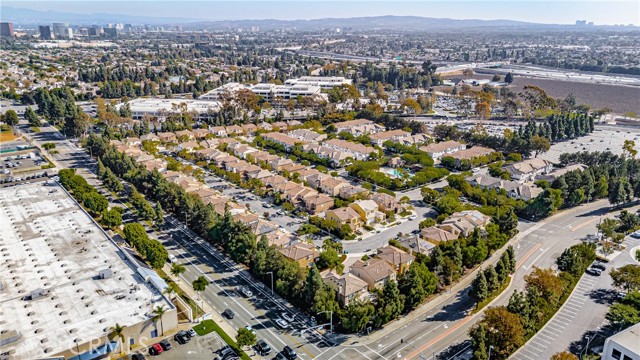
[241, 150]
[358, 127]
[274, 180]
[150, 137]
[265, 126]
[350, 191]
[249, 129]
[167, 137]
[416, 244]
[416, 139]
[525, 192]
[201, 133]
[528, 169]
[318, 203]
[331, 186]
[347, 286]
[345, 216]
[399, 259]
[368, 211]
[185, 134]
[375, 272]
[464, 222]
[292, 167]
[386, 202]
[307, 136]
[278, 163]
[188, 146]
[392, 135]
[436, 235]
[233, 130]
[438, 150]
[219, 131]
[285, 140]
[155, 164]
[280, 126]
[132, 141]
[357, 151]
[303, 254]
[469, 154]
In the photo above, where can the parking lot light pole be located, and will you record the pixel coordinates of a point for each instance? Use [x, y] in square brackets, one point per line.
[490, 348]
[330, 319]
[271, 273]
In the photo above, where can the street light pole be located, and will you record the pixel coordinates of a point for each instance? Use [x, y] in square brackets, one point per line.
[490, 348]
[271, 273]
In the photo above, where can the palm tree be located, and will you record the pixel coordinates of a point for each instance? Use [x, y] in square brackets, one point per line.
[117, 331]
[177, 269]
[199, 285]
[158, 312]
[170, 291]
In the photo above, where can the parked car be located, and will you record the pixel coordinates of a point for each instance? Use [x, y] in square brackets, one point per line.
[413, 217]
[250, 328]
[594, 272]
[227, 352]
[181, 337]
[155, 349]
[635, 235]
[192, 333]
[280, 356]
[263, 348]
[166, 345]
[138, 356]
[289, 353]
[228, 313]
[600, 266]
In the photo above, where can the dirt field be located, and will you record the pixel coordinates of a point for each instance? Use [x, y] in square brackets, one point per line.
[618, 98]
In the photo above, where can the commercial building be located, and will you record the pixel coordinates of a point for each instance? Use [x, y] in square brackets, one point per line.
[161, 108]
[267, 90]
[45, 32]
[110, 33]
[6, 29]
[65, 283]
[324, 82]
[624, 345]
[61, 30]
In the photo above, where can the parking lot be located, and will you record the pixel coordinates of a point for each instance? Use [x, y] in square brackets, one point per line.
[199, 348]
[604, 138]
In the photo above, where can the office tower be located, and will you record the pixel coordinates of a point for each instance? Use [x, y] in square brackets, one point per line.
[60, 30]
[45, 32]
[6, 29]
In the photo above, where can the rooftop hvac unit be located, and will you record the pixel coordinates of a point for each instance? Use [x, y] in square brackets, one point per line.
[105, 274]
[38, 293]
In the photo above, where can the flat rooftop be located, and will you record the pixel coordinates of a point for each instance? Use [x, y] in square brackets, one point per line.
[51, 293]
[153, 105]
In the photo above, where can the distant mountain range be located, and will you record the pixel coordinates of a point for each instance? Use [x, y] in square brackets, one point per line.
[394, 23]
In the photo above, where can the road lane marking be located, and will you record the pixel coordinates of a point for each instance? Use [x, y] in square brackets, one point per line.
[582, 224]
[531, 252]
[439, 337]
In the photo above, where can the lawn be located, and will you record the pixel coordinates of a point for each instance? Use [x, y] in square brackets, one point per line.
[7, 136]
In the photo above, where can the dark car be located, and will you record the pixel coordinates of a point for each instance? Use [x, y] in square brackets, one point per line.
[594, 272]
[289, 353]
[138, 356]
[263, 348]
[227, 353]
[181, 337]
[166, 345]
[280, 356]
[599, 266]
[228, 313]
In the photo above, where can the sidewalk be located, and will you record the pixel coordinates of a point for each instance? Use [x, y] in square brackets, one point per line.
[213, 314]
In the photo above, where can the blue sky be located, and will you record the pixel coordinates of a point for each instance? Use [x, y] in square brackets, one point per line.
[540, 11]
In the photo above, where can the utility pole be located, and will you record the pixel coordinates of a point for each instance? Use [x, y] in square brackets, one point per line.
[490, 348]
[330, 319]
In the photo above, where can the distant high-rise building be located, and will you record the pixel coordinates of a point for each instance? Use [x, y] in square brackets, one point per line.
[111, 33]
[61, 30]
[178, 27]
[128, 27]
[581, 22]
[45, 32]
[70, 33]
[6, 29]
